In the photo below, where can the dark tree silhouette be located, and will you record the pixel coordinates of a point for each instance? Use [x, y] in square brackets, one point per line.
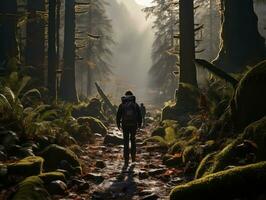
[8, 30]
[52, 48]
[187, 54]
[241, 43]
[68, 83]
[35, 39]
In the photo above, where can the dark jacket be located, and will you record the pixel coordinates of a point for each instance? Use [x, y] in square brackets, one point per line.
[119, 116]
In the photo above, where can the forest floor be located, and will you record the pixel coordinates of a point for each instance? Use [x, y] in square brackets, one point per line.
[146, 179]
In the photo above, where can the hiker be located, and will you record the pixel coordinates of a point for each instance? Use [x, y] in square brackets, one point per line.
[129, 116]
[143, 113]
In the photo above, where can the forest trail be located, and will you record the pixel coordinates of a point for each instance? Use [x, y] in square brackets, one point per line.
[147, 179]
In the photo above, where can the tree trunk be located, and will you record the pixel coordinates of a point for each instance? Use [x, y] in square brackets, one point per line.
[8, 30]
[241, 43]
[68, 84]
[35, 39]
[187, 55]
[52, 48]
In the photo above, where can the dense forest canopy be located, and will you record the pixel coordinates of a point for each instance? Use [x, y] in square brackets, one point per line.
[132, 99]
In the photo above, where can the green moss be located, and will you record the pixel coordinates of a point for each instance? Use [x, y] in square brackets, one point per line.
[205, 165]
[226, 157]
[31, 189]
[170, 123]
[256, 132]
[95, 125]
[26, 167]
[234, 183]
[54, 154]
[248, 104]
[52, 176]
[191, 153]
[176, 148]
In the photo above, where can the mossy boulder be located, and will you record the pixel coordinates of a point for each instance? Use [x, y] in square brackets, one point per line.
[256, 132]
[31, 188]
[29, 166]
[192, 154]
[52, 176]
[205, 165]
[54, 155]
[248, 104]
[248, 181]
[159, 131]
[95, 125]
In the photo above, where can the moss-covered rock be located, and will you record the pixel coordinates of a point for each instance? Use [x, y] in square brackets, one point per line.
[54, 155]
[256, 132]
[52, 176]
[228, 156]
[159, 131]
[31, 188]
[230, 184]
[248, 104]
[95, 125]
[205, 165]
[192, 154]
[26, 167]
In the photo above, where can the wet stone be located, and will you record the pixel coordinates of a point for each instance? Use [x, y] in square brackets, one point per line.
[143, 175]
[155, 172]
[151, 197]
[111, 139]
[100, 164]
[95, 178]
[57, 188]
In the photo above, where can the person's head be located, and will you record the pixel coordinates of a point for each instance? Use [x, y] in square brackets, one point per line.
[129, 93]
[142, 104]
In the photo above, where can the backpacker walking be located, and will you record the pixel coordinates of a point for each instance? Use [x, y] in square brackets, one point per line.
[129, 116]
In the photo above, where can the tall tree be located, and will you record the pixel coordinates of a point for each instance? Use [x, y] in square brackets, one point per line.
[52, 48]
[98, 52]
[8, 29]
[35, 39]
[68, 84]
[241, 43]
[164, 61]
[187, 55]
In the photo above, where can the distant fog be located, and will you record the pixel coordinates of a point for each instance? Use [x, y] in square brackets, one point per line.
[132, 53]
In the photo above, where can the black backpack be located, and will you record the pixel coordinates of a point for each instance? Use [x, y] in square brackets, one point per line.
[129, 112]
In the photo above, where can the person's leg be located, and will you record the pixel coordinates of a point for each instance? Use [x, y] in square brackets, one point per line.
[126, 145]
[133, 144]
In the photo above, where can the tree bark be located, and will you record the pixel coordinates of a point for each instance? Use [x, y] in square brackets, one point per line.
[8, 30]
[241, 42]
[52, 48]
[68, 84]
[187, 54]
[35, 40]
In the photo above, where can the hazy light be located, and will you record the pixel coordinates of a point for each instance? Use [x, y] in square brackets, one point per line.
[144, 2]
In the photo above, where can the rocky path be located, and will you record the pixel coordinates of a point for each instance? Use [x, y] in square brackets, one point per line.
[103, 167]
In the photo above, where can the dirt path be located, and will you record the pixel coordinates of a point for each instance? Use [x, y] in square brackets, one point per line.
[147, 179]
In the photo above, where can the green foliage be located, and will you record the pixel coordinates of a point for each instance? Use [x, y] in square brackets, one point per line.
[230, 184]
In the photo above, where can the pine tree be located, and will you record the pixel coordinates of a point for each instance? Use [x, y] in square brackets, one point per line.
[164, 61]
[188, 74]
[98, 53]
[35, 39]
[241, 43]
[52, 48]
[8, 30]
[68, 83]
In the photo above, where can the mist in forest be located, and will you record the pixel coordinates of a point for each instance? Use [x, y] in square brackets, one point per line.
[131, 60]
